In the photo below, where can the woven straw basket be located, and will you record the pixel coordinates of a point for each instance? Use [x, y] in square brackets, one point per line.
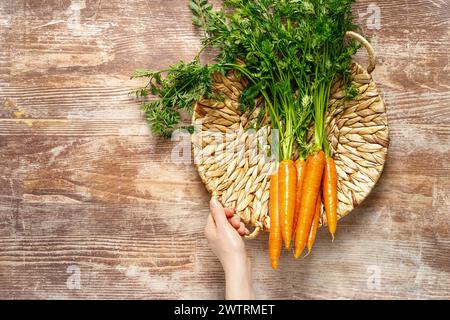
[230, 156]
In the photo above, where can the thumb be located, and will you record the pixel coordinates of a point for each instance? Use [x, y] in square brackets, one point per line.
[217, 212]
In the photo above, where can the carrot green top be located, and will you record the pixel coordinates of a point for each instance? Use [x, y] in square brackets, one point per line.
[292, 50]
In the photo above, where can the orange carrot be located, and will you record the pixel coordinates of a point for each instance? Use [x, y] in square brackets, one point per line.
[315, 224]
[330, 194]
[301, 170]
[310, 191]
[275, 228]
[287, 181]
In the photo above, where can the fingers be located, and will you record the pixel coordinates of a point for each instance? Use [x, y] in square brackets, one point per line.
[235, 221]
[242, 229]
[229, 212]
[219, 216]
[217, 212]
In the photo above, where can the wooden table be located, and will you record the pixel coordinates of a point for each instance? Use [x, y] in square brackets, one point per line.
[91, 207]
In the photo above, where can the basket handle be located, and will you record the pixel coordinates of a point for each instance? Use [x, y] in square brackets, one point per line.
[254, 233]
[368, 46]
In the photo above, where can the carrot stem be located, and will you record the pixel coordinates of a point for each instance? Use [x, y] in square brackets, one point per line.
[315, 224]
[310, 191]
[300, 165]
[330, 194]
[275, 228]
[287, 181]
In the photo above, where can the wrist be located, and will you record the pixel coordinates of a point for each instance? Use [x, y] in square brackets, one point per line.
[238, 263]
[238, 280]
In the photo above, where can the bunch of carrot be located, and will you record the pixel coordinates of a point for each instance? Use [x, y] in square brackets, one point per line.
[296, 194]
[298, 189]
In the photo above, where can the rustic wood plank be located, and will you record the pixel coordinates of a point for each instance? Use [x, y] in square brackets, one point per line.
[83, 183]
[428, 79]
[48, 198]
[114, 102]
[144, 239]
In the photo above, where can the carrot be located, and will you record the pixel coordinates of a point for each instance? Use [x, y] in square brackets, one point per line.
[310, 191]
[287, 182]
[275, 228]
[315, 224]
[330, 194]
[300, 165]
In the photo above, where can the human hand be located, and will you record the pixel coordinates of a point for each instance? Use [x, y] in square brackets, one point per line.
[223, 231]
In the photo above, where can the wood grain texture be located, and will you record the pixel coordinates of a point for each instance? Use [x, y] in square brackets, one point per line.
[83, 183]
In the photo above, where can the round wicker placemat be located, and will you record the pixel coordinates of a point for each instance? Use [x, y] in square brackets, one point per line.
[233, 164]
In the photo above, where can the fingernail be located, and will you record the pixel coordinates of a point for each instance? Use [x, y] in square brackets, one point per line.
[215, 203]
